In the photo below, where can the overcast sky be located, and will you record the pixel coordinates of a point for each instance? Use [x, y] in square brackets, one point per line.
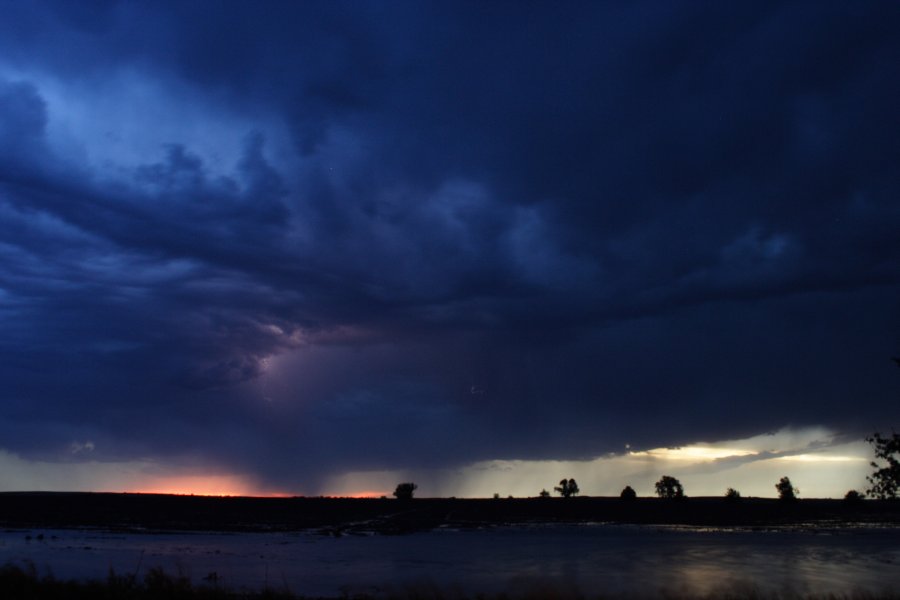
[282, 243]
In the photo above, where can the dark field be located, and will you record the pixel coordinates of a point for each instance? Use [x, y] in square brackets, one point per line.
[336, 516]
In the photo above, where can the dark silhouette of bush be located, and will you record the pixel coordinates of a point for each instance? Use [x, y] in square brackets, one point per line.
[786, 490]
[628, 493]
[732, 495]
[405, 491]
[544, 494]
[669, 488]
[853, 498]
[567, 488]
[161, 585]
[885, 480]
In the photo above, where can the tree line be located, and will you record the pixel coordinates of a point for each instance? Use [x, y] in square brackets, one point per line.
[885, 480]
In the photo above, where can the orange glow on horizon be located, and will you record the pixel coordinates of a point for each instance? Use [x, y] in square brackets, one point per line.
[365, 494]
[203, 485]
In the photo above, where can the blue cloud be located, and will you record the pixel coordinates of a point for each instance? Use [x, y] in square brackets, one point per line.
[644, 223]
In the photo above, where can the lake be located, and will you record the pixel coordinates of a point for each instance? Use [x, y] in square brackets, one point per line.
[593, 559]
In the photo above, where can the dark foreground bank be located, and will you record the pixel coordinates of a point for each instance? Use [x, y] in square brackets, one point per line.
[337, 516]
[25, 584]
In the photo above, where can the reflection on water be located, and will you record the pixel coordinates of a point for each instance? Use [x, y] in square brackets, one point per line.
[590, 558]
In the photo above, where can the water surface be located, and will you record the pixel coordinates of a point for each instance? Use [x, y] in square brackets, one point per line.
[593, 559]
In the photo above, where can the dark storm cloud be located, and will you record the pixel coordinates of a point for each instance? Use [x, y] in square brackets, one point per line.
[502, 231]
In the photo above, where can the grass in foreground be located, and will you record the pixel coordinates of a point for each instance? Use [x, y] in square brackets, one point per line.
[24, 583]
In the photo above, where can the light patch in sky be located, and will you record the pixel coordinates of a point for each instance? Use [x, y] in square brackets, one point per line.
[819, 458]
[129, 118]
[198, 485]
[142, 476]
[816, 461]
[693, 453]
[365, 484]
[77, 447]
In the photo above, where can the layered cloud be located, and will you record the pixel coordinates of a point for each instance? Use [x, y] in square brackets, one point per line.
[321, 238]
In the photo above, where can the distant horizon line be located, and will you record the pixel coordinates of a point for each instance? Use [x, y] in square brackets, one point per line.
[389, 497]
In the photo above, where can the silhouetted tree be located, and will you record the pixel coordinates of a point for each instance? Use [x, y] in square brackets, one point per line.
[853, 497]
[885, 480]
[544, 494]
[405, 491]
[786, 490]
[628, 493]
[732, 495]
[567, 488]
[669, 488]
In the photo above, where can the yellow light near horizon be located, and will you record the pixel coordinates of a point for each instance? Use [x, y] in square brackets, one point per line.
[695, 453]
[820, 458]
